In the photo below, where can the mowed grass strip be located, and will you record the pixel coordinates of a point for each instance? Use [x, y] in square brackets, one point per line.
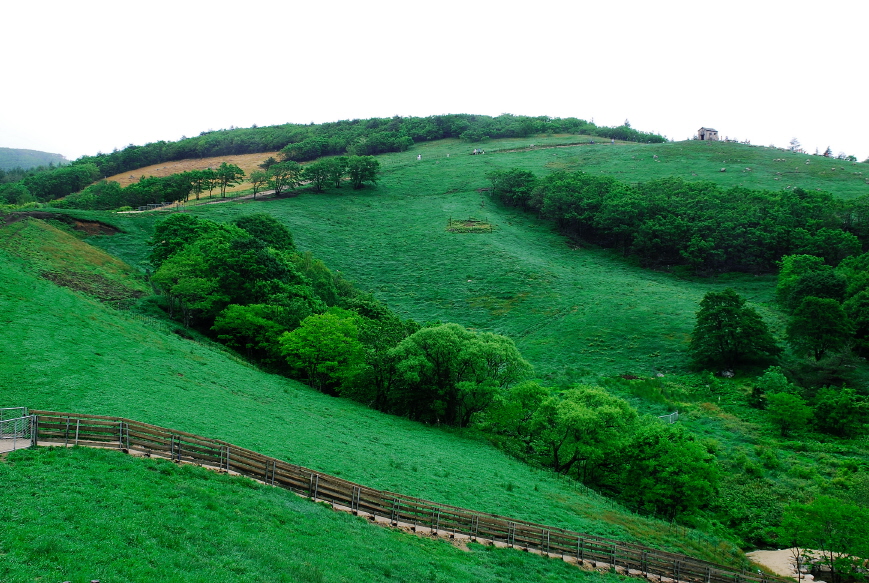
[81, 514]
[66, 352]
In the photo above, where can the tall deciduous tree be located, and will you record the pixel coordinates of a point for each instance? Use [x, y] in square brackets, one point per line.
[787, 411]
[326, 348]
[838, 529]
[582, 426]
[450, 373]
[317, 174]
[818, 326]
[362, 169]
[284, 175]
[337, 169]
[228, 175]
[258, 179]
[729, 333]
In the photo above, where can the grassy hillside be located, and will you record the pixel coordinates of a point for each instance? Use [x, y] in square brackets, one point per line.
[66, 351]
[19, 158]
[573, 311]
[93, 514]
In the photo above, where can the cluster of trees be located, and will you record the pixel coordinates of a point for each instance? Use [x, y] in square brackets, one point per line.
[301, 143]
[247, 285]
[831, 530]
[354, 137]
[699, 225]
[728, 333]
[585, 432]
[276, 176]
[45, 184]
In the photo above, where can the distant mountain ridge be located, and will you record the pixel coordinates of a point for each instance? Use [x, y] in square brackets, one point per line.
[19, 158]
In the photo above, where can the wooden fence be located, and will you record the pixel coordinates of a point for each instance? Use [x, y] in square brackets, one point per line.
[443, 519]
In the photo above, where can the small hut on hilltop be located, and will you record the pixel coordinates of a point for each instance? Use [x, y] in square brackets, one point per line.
[707, 134]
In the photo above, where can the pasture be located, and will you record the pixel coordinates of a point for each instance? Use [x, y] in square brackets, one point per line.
[96, 514]
[67, 351]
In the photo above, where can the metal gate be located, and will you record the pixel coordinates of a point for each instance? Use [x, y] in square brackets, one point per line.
[16, 429]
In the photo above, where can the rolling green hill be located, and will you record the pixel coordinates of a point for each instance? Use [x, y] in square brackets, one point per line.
[19, 158]
[64, 350]
[576, 312]
[95, 514]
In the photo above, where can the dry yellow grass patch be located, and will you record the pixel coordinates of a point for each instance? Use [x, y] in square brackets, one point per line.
[247, 162]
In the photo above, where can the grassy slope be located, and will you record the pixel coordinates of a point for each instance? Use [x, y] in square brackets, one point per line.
[150, 520]
[66, 352]
[574, 312]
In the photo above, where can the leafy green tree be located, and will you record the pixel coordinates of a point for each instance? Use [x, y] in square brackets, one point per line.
[317, 174]
[583, 426]
[187, 282]
[380, 330]
[838, 529]
[841, 412]
[787, 411]
[514, 409]
[819, 326]
[728, 333]
[337, 169]
[450, 373]
[267, 229]
[512, 187]
[228, 175]
[855, 270]
[284, 175]
[198, 182]
[791, 268]
[820, 284]
[857, 310]
[254, 329]
[362, 169]
[210, 180]
[267, 163]
[177, 231]
[325, 348]
[258, 179]
[665, 470]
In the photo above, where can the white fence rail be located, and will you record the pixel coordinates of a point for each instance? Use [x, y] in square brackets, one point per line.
[17, 432]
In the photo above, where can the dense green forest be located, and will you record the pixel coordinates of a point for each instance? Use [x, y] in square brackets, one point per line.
[700, 225]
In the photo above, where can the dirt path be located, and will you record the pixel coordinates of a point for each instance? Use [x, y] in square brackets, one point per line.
[780, 562]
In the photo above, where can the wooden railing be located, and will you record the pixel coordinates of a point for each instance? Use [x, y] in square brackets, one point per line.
[180, 446]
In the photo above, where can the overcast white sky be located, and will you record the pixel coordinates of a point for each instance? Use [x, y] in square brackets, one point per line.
[88, 76]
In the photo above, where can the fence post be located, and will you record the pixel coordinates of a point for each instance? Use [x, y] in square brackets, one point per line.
[579, 550]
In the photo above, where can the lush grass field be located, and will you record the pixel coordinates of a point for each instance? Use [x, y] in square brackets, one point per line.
[64, 351]
[575, 312]
[95, 514]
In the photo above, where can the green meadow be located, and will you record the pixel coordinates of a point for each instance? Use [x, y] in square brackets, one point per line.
[65, 351]
[100, 515]
[576, 312]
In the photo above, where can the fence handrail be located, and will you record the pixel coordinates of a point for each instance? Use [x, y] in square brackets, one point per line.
[127, 434]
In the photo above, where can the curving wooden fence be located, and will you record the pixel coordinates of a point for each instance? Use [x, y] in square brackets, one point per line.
[179, 446]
